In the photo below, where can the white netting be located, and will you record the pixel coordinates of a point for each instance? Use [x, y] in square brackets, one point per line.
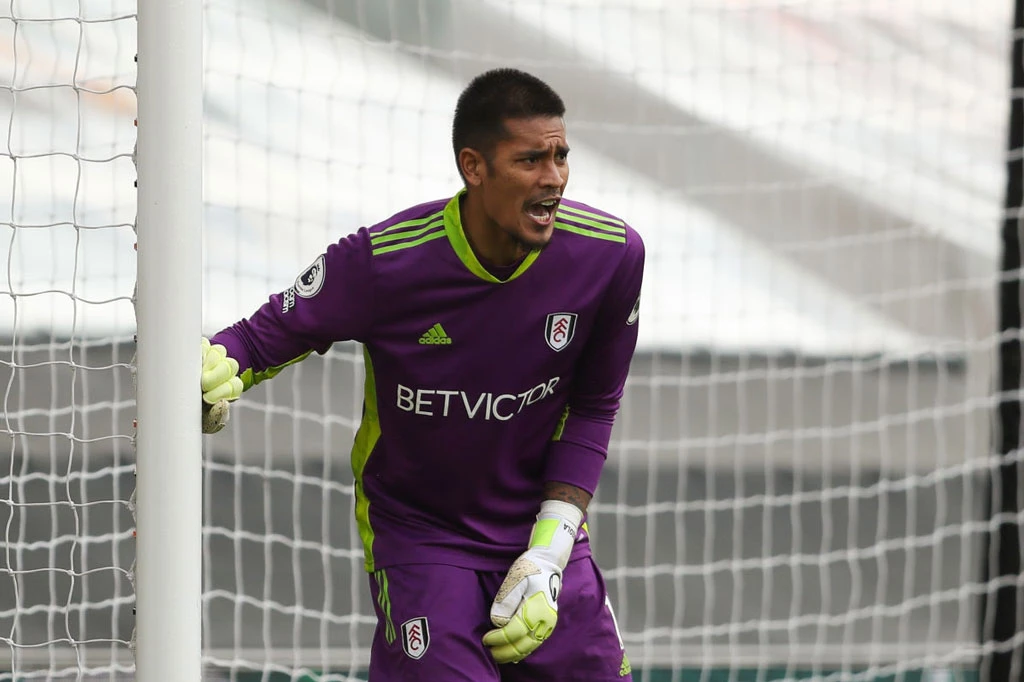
[795, 479]
[68, 208]
[795, 482]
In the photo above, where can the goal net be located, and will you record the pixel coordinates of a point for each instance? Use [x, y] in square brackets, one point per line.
[67, 210]
[796, 485]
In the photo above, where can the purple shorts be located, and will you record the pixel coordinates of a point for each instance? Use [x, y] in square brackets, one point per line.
[431, 618]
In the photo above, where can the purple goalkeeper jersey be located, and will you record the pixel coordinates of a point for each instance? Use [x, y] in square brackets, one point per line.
[478, 389]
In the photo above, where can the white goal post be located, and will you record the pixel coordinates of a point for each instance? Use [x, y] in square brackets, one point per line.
[168, 502]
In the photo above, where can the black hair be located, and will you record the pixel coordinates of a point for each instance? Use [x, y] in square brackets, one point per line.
[493, 97]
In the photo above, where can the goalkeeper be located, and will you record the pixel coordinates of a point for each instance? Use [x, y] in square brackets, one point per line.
[497, 329]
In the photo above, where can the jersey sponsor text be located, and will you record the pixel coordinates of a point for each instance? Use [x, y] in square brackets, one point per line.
[435, 402]
[288, 299]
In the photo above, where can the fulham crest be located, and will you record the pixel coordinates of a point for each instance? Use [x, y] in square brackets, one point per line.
[415, 637]
[559, 330]
[310, 282]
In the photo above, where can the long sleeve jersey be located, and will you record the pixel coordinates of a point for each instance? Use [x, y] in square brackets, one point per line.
[478, 389]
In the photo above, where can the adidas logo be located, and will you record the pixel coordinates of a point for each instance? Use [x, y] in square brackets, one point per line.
[435, 336]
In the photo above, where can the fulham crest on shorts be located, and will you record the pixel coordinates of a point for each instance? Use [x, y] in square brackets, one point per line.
[559, 329]
[415, 637]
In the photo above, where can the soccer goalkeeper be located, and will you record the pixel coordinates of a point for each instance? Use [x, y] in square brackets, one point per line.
[497, 327]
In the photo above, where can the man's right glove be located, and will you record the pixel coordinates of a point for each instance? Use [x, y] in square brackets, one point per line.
[220, 384]
[525, 610]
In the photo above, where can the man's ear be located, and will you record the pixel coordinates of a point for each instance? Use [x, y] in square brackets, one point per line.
[473, 166]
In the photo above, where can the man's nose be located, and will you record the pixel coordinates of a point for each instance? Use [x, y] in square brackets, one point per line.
[552, 175]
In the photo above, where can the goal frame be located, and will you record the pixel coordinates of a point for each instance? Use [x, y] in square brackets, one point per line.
[168, 306]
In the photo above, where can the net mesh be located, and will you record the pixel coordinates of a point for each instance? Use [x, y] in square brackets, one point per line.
[66, 550]
[795, 482]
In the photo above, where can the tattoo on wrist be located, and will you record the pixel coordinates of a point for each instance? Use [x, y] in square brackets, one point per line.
[564, 492]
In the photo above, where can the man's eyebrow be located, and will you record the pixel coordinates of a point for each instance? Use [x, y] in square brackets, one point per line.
[539, 151]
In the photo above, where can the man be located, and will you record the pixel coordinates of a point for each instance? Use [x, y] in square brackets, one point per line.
[498, 327]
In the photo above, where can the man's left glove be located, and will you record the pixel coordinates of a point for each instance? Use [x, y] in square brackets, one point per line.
[525, 609]
[220, 384]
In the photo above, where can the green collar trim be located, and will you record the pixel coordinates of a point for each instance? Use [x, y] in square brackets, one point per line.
[457, 238]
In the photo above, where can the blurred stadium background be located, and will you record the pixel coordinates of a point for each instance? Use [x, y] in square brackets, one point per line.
[797, 481]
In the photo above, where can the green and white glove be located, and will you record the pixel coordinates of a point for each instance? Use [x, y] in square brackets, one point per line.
[220, 384]
[525, 609]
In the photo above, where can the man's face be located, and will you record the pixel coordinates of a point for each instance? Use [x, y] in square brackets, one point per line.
[525, 178]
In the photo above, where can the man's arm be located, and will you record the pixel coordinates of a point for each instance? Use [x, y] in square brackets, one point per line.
[565, 492]
[525, 609]
[330, 301]
[579, 447]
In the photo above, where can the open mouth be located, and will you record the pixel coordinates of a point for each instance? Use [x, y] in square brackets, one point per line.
[543, 212]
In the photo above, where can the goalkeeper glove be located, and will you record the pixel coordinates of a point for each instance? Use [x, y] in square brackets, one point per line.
[220, 383]
[525, 609]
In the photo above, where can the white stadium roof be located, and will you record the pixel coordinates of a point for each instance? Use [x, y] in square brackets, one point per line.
[314, 129]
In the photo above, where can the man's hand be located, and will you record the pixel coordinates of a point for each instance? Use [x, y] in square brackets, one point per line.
[220, 384]
[525, 609]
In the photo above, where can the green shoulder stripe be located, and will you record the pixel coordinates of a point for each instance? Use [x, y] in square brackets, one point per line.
[593, 216]
[618, 238]
[436, 233]
[395, 236]
[604, 227]
[409, 223]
